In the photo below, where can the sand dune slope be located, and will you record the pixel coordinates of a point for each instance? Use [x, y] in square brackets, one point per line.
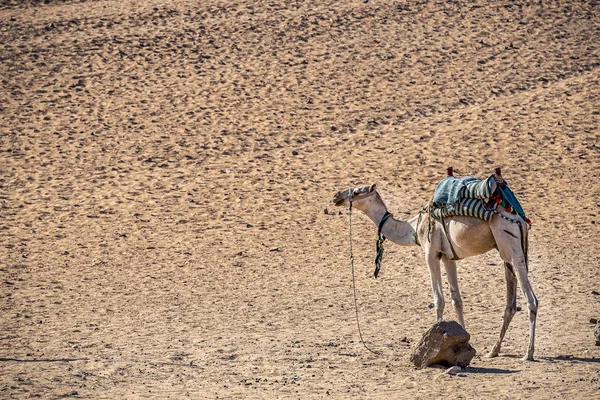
[166, 226]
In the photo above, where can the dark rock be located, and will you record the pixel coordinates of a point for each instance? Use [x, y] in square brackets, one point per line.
[446, 342]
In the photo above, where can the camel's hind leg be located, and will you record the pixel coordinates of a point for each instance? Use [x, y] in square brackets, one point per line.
[450, 266]
[532, 304]
[507, 236]
[511, 306]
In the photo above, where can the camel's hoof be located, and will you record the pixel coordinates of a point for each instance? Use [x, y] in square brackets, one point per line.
[492, 354]
[527, 358]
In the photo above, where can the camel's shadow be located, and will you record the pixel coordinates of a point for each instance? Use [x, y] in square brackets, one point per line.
[571, 358]
[484, 370]
[559, 358]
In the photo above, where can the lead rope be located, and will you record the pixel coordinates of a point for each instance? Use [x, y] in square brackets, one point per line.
[354, 289]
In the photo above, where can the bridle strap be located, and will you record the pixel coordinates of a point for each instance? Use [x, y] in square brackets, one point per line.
[379, 245]
[380, 226]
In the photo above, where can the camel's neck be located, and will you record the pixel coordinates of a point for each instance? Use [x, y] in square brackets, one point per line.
[398, 231]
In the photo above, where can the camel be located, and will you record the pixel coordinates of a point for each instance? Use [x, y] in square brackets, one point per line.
[465, 237]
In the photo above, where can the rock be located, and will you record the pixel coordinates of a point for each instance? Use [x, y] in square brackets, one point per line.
[597, 333]
[446, 342]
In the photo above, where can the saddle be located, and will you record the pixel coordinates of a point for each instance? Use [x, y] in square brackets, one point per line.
[474, 197]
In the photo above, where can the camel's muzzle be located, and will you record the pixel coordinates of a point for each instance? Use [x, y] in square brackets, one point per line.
[338, 200]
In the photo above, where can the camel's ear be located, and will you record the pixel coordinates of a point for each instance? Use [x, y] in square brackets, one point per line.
[373, 186]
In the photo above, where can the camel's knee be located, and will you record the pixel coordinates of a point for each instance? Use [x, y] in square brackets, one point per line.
[533, 307]
[510, 311]
[456, 299]
[439, 304]
[457, 304]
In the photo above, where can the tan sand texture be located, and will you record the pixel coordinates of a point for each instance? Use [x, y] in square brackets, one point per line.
[166, 167]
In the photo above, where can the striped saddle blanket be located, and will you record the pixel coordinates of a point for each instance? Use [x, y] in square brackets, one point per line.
[463, 196]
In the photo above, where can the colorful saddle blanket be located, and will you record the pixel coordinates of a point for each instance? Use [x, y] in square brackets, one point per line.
[472, 197]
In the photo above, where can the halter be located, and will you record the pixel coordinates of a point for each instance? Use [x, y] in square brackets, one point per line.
[380, 238]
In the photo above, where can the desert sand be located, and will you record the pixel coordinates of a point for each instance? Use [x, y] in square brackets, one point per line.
[166, 226]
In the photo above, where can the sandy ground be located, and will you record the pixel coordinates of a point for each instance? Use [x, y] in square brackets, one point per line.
[166, 227]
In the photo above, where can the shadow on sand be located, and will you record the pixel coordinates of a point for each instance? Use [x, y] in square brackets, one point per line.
[41, 360]
[483, 370]
[571, 358]
[559, 358]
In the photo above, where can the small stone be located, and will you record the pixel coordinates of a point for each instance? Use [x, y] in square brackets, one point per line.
[593, 321]
[455, 370]
[294, 153]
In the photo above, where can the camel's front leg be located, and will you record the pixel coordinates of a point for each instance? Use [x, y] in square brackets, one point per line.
[433, 262]
[450, 266]
[511, 306]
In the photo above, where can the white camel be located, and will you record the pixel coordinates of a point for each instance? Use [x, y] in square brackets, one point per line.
[466, 237]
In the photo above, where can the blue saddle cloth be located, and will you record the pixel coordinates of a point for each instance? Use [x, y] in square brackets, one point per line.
[468, 195]
[448, 191]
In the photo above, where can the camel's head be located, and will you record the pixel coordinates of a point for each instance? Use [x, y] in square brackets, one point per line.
[357, 196]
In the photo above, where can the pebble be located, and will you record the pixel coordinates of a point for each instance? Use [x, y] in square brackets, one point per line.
[455, 370]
